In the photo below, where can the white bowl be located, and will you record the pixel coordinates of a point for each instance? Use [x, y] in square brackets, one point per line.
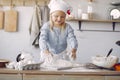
[105, 62]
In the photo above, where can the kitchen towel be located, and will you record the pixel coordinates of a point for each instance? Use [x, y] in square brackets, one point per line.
[35, 26]
[39, 17]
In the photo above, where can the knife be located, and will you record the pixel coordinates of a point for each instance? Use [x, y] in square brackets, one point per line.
[64, 68]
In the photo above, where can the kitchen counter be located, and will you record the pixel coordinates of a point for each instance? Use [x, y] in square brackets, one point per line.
[72, 71]
[78, 73]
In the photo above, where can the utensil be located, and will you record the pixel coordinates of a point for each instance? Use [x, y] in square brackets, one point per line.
[11, 17]
[65, 68]
[1, 19]
[118, 43]
[109, 52]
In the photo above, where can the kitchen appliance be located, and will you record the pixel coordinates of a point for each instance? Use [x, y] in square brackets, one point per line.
[118, 43]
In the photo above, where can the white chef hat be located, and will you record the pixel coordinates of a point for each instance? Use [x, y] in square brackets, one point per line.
[61, 5]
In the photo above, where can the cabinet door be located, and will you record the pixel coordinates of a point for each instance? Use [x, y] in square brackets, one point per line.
[10, 77]
[112, 78]
[41, 77]
[61, 77]
[83, 77]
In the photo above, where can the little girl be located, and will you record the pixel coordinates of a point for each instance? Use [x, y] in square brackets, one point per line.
[57, 35]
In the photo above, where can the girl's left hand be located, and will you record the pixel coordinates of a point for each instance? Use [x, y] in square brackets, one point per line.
[73, 54]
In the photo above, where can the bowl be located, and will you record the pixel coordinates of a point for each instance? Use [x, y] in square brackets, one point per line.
[117, 67]
[105, 62]
[3, 63]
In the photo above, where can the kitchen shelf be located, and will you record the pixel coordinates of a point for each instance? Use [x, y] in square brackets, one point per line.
[96, 20]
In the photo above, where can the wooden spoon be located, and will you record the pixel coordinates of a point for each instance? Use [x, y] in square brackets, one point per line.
[109, 52]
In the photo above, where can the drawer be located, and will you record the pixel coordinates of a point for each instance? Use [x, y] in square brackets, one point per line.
[112, 78]
[10, 77]
[61, 77]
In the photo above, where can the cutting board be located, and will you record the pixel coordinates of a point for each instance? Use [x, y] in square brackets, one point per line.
[1, 19]
[11, 18]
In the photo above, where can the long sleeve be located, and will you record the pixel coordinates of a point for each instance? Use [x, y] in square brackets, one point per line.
[72, 41]
[43, 38]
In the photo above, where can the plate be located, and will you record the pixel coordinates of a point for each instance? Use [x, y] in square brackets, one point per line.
[115, 13]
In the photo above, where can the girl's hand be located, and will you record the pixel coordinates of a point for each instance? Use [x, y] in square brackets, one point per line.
[73, 54]
[47, 52]
[48, 57]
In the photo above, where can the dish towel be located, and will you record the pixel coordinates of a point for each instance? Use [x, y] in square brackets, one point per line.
[44, 14]
[39, 17]
[35, 26]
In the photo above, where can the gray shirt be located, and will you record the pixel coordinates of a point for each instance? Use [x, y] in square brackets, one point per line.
[57, 40]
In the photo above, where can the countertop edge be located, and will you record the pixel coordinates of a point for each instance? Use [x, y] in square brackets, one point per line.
[60, 72]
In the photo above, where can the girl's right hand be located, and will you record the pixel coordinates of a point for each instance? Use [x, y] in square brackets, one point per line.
[73, 54]
[48, 57]
[47, 52]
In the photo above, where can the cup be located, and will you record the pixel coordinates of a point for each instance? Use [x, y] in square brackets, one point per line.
[84, 16]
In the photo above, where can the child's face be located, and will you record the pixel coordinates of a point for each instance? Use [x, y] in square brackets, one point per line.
[58, 18]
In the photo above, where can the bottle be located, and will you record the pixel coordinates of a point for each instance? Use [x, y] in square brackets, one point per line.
[90, 9]
[79, 12]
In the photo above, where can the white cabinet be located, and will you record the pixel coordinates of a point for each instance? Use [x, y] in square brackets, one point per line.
[41, 77]
[10, 77]
[7, 74]
[55, 77]
[78, 77]
[61, 77]
[112, 78]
